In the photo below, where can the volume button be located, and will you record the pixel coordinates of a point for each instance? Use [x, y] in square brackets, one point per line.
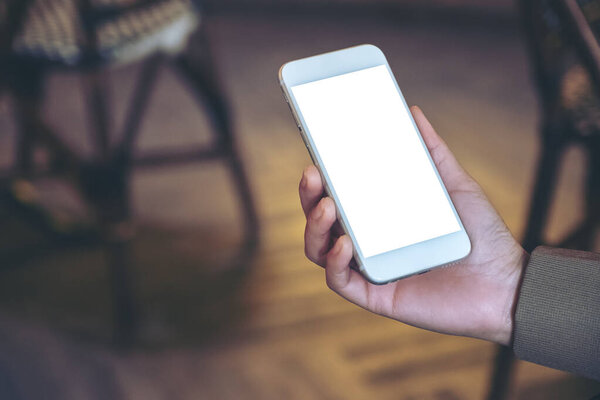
[295, 119]
[292, 111]
[310, 153]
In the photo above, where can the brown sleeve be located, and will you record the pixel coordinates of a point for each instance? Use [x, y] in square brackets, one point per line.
[557, 321]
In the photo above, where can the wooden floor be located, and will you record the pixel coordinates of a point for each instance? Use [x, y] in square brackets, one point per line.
[282, 334]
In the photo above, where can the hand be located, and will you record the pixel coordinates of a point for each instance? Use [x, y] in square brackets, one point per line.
[475, 297]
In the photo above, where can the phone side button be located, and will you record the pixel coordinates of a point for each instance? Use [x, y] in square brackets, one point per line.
[306, 145]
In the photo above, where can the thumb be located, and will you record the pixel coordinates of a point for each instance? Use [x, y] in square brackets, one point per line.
[452, 173]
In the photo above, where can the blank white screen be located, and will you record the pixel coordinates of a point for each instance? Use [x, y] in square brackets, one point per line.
[375, 160]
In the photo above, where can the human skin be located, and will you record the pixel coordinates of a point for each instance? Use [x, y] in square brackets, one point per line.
[475, 297]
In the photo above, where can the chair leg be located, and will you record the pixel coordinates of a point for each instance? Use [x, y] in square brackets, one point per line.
[25, 138]
[246, 199]
[106, 188]
[105, 184]
[545, 183]
[119, 233]
[502, 373]
[203, 82]
[592, 195]
[583, 237]
[96, 89]
[27, 89]
[122, 283]
[139, 102]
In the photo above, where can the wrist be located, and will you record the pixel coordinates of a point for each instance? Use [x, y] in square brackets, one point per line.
[512, 288]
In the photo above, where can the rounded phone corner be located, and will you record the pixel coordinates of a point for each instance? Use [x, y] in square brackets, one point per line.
[468, 246]
[282, 72]
[371, 278]
[373, 48]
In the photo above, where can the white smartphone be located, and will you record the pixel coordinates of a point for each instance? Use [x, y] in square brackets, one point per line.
[374, 164]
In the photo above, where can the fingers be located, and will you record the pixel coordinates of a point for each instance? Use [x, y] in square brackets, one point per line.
[311, 189]
[340, 276]
[320, 213]
[317, 235]
[337, 229]
[453, 175]
[338, 270]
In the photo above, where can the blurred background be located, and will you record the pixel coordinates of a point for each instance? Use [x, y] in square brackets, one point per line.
[151, 235]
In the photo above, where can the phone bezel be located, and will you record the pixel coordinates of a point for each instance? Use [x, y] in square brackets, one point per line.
[396, 264]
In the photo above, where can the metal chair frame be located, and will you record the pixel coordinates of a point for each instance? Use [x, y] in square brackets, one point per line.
[104, 180]
[558, 132]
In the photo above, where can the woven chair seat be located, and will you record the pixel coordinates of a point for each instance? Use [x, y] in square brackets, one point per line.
[53, 31]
